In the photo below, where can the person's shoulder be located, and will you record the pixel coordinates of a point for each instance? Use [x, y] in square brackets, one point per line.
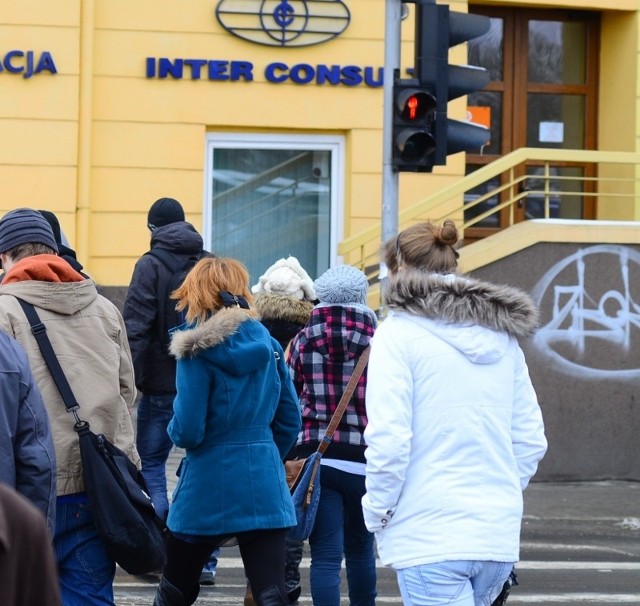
[108, 307]
[146, 267]
[394, 325]
[148, 258]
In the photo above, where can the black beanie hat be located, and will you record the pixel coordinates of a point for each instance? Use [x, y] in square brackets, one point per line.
[25, 225]
[163, 212]
[55, 224]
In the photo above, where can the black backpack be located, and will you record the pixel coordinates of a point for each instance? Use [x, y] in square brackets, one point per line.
[169, 317]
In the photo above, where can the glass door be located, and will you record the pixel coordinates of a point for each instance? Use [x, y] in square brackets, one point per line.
[543, 93]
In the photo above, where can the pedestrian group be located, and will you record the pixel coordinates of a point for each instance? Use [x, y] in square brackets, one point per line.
[425, 470]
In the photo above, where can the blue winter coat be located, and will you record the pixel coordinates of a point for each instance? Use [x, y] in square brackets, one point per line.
[237, 415]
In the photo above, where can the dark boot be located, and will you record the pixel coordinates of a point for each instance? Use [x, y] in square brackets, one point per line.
[293, 595]
[271, 597]
[168, 595]
[293, 557]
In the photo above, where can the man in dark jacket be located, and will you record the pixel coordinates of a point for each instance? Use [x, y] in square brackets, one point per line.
[155, 369]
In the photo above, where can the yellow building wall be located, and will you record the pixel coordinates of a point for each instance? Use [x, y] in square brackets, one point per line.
[38, 115]
[618, 101]
[98, 142]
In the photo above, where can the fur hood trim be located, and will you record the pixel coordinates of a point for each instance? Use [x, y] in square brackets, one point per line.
[457, 299]
[282, 308]
[193, 340]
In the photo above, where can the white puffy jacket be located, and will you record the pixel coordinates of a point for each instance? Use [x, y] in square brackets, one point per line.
[455, 432]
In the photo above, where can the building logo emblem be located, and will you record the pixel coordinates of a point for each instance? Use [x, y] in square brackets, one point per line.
[285, 23]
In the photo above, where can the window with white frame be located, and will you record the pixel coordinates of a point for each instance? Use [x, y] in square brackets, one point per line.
[271, 196]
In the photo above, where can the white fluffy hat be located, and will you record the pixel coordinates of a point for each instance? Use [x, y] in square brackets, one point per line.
[287, 278]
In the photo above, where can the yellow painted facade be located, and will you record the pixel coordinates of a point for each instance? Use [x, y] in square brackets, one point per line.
[98, 141]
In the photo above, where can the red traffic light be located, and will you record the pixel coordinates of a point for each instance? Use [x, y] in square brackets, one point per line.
[414, 116]
[414, 104]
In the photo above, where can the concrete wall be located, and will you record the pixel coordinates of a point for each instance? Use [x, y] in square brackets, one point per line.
[585, 359]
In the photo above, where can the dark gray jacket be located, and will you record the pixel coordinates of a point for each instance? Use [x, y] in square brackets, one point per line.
[27, 455]
[155, 369]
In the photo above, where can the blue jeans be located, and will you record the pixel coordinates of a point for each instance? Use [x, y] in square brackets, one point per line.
[212, 563]
[339, 529]
[154, 446]
[456, 583]
[85, 569]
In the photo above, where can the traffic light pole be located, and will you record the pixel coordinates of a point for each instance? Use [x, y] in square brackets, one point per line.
[389, 216]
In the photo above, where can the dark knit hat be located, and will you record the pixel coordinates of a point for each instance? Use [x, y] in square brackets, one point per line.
[25, 225]
[55, 224]
[342, 284]
[163, 212]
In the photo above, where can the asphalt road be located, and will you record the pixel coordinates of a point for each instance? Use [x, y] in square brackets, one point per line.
[580, 545]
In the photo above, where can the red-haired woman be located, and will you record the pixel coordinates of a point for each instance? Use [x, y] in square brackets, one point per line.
[236, 415]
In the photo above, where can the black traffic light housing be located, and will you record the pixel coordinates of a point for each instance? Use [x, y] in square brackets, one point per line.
[413, 141]
[437, 30]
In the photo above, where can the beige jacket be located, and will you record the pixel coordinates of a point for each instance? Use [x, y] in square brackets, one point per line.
[88, 335]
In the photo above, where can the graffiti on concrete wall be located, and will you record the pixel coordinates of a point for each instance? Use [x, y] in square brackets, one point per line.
[590, 313]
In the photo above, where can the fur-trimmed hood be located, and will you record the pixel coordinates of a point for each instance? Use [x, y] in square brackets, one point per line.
[283, 316]
[282, 308]
[454, 299]
[232, 338]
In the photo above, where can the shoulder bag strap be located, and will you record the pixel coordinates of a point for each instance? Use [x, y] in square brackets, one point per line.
[39, 331]
[344, 400]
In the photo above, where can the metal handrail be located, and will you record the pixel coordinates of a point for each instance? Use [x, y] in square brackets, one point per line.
[438, 209]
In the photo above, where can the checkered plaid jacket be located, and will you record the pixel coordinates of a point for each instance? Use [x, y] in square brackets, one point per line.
[322, 358]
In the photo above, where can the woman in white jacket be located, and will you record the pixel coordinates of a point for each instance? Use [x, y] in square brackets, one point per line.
[455, 432]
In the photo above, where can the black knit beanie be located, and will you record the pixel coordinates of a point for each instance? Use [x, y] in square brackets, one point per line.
[25, 225]
[163, 212]
[55, 224]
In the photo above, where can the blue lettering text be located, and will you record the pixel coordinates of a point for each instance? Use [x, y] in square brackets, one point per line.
[351, 75]
[242, 69]
[167, 68]
[196, 65]
[19, 62]
[276, 72]
[211, 69]
[328, 74]
[218, 70]
[302, 73]
[368, 77]
[46, 63]
[269, 72]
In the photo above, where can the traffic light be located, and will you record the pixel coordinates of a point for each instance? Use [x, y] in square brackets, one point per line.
[413, 116]
[437, 30]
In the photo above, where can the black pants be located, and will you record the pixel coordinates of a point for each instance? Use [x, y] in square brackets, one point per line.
[262, 553]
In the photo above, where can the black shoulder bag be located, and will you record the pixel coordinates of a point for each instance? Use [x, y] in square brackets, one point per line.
[122, 509]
